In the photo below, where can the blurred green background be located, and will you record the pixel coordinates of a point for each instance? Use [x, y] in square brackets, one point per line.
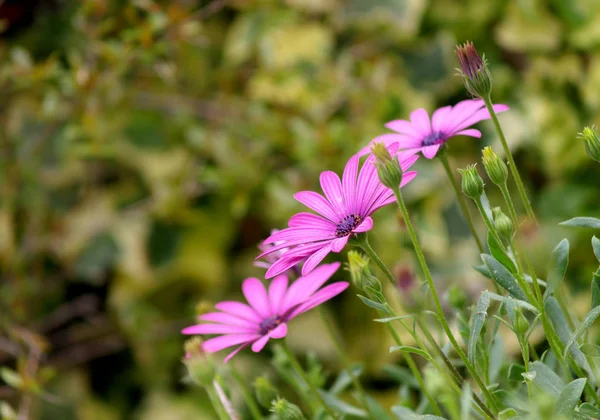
[147, 147]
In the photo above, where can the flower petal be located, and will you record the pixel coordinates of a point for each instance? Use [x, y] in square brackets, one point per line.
[349, 183]
[238, 309]
[256, 295]
[430, 151]
[224, 341]
[277, 290]
[233, 353]
[219, 329]
[470, 132]
[279, 332]
[438, 119]
[366, 225]
[339, 243]
[420, 121]
[225, 318]
[321, 296]
[314, 260]
[407, 177]
[310, 220]
[403, 126]
[259, 344]
[332, 187]
[317, 202]
[305, 286]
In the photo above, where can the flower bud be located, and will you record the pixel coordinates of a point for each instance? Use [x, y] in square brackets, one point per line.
[504, 226]
[200, 366]
[591, 142]
[474, 70]
[285, 410]
[388, 167]
[472, 184]
[360, 272]
[494, 166]
[521, 325]
[204, 307]
[264, 391]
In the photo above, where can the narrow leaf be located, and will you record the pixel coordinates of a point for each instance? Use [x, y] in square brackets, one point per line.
[561, 326]
[11, 377]
[410, 349]
[511, 301]
[499, 254]
[503, 277]
[344, 379]
[546, 379]
[342, 406]
[596, 288]
[405, 413]
[590, 410]
[587, 322]
[477, 321]
[569, 397]
[483, 270]
[374, 305]
[466, 401]
[584, 222]
[394, 318]
[590, 349]
[596, 247]
[559, 260]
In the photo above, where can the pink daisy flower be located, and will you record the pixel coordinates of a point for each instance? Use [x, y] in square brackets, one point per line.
[425, 135]
[268, 312]
[345, 210]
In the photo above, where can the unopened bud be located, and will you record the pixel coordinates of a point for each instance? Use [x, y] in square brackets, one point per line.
[388, 167]
[201, 368]
[494, 166]
[472, 184]
[360, 272]
[264, 391]
[474, 70]
[521, 325]
[285, 410]
[204, 307]
[504, 226]
[591, 142]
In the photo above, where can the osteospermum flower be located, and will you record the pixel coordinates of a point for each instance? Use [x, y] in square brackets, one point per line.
[345, 210]
[267, 313]
[427, 135]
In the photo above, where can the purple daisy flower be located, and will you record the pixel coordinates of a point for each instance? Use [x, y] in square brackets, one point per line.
[268, 312]
[345, 210]
[426, 135]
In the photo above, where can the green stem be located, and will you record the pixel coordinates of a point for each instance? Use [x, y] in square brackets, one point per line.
[436, 299]
[461, 199]
[252, 406]
[511, 161]
[346, 363]
[216, 403]
[296, 364]
[366, 246]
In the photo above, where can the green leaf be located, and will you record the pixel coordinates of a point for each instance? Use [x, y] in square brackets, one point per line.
[561, 326]
[483, 270]
[546, 379]
[569, 397]
[508, 413]
[404, 413]
[515, 372]
[559, 260]
[477, 321]
[596, 247]
[587, 322]
[401, 375]
[374, 305]
[394, 318]
[11, 377]
[589, 410]
[497, 358]
[410, 349]
[342, 406]
[590, 349]
[510, 301]
[596, 288]
[344, 379]
[503, 277]
[583, 222]
[500, 255]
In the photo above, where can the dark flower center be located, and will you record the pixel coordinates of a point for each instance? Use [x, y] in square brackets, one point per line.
[347, 225]
[434, 137]
[269, 324]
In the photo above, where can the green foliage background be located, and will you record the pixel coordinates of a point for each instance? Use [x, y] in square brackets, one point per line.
[147, 147]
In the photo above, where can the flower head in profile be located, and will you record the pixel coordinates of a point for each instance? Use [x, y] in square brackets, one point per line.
[268, 311]
[427, 135]
[345, 210]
